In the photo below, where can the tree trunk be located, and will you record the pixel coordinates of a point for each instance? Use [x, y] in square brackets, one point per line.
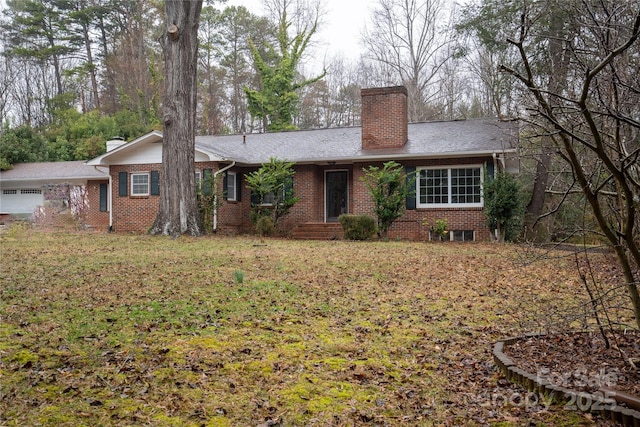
[558, 70]
[178, 212]
[535, 206]
[92, 69]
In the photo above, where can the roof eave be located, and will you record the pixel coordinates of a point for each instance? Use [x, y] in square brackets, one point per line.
[63, 179]
[387, 156]
[100, 160]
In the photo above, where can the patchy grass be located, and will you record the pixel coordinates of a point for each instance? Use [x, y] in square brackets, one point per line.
[135, 330]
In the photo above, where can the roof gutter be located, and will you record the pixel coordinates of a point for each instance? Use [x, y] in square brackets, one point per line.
[391, 156]
[215, 197]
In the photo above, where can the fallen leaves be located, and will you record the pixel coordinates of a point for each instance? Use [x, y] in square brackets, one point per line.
[120, 330]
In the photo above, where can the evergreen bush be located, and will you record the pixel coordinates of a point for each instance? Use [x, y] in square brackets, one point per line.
[358, 227]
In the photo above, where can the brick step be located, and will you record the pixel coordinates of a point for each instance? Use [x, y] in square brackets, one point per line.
[317, 231]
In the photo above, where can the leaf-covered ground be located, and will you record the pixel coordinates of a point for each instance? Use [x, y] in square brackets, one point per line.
[100, 329]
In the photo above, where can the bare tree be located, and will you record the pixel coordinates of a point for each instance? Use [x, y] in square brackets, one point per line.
[591, 114]
[408, 46]
[7, 81]
[132, 70]
[178, 213]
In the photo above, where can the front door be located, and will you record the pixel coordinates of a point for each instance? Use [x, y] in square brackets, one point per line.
[336, 194]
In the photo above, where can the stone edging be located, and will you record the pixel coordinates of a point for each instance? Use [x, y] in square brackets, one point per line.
[598, 403]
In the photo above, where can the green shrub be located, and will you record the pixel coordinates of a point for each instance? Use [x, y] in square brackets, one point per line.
[265, 226]
[504, 206]
[358, 227]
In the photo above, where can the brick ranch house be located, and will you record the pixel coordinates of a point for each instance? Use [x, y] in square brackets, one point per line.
[450, 159]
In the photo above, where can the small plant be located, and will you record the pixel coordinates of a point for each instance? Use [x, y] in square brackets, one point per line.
[358, 227]
[265, 226]
[238, 277]
[439, 229]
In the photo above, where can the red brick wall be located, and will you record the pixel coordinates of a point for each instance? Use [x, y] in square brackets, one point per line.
[133, 213]
[95, 218]
[136, 214]
[410, 225]
[234, 217]
[384, 117]
[308, 185]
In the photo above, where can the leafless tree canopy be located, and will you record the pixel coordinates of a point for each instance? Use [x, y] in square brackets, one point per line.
[591, 115]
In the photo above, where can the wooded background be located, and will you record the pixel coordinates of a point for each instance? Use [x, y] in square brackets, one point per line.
[74, 73]
[77, 72]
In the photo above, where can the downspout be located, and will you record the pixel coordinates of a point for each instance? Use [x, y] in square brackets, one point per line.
[109, 196]
[498, 158]
[215, 196]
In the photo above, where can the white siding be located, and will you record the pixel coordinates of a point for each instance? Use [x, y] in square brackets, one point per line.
[20, 201]
[142, 154]
[147, 153]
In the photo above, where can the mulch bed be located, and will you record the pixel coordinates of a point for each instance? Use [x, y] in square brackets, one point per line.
[581, 361]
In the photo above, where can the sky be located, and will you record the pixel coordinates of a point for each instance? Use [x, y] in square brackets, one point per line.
[341, 30]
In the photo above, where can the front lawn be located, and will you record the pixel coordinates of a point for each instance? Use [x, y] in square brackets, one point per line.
[100, 329]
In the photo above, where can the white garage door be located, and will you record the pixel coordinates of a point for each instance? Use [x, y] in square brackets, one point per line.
[20, 201]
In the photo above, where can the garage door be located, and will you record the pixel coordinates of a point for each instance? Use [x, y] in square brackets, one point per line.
[20, 201]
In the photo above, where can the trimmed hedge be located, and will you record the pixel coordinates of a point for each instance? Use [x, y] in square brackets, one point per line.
[358, 227]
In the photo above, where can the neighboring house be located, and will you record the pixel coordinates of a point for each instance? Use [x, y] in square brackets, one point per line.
[450, 160]
[29, 186]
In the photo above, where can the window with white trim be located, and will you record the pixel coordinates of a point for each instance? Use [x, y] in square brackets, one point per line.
[462, 235]
[231, 186]
[139, 184]
[198, 180]
[449, 187]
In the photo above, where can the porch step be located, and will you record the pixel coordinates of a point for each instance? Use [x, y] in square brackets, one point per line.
[318, 231]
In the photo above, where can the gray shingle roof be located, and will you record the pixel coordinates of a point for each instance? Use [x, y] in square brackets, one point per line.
[429, 139]
[51, 171]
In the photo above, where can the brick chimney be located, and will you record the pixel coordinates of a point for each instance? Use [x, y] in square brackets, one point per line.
[384, 117]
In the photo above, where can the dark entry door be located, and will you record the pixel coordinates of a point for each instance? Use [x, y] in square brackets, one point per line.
[336, 194]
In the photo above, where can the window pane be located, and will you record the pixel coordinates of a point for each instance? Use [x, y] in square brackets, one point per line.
[140, 184]
[466, 186]
[422, 183]
[455, 186]
[434, 186]
[231, 186]
[269, 199]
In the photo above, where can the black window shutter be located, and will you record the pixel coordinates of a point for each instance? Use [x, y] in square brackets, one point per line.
[206, 181]
[238, 186]
[410, 172]
[255, 199]
[155, 183]
[225, 185]
[123, 185]
[489, 171]
[103, 197]
[288, 186]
